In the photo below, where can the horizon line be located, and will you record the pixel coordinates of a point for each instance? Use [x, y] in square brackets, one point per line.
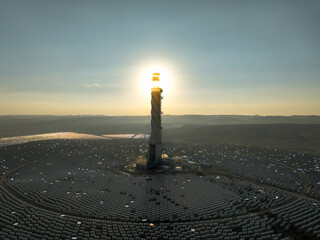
[104, 115]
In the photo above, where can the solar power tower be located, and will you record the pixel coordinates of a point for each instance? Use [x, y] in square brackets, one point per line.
[155, 141]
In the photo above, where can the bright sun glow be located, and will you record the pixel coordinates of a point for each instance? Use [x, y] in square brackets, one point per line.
[147, 83]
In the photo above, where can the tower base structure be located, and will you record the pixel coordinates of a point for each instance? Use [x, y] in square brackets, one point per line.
[154, 155]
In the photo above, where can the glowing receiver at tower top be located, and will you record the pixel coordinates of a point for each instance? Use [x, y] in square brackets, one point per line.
[155, 141]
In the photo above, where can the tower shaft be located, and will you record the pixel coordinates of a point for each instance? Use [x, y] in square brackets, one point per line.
[155, 141]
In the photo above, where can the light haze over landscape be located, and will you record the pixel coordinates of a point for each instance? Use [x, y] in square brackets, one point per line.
[160, 119]
[220, 57]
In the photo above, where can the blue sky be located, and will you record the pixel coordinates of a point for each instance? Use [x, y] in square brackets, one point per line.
[222, 57]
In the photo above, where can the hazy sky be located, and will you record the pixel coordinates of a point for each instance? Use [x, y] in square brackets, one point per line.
[221, 57]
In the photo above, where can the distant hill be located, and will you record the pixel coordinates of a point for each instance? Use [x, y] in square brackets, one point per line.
[292, 137]
[296, 133]
[25, 125]
[238, 119]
